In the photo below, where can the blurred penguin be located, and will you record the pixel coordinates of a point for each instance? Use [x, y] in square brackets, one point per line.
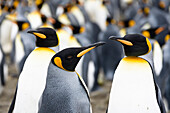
[3, 70]
[23, 45]
[110, 60]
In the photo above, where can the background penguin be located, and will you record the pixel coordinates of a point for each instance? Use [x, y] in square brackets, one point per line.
[23, 45]
[3, 70]
[134, 88]
[86, 35]
[156, 49]
[8, 31]
[164, 77]
[32, 79]
[65, 91]
[110, 60]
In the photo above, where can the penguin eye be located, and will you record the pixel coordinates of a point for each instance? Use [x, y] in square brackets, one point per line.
[69, 57]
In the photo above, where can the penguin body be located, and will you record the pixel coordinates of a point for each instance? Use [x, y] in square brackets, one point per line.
[23, 45]
[27, 97]
[32, 79]
[92, 8]
[164, 75]
[62, 92]
[65, 90]
[110, 60]
[3, 70]
[8, 32]
[135, 71]
[35, 19]
[134, 88]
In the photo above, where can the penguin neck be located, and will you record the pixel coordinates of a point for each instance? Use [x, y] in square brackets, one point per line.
[55, 48]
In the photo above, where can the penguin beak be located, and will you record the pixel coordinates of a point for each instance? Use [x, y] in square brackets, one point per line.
[89, 48]
[37, 34]
[121, 40]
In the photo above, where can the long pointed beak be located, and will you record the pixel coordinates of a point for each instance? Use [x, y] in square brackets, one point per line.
[36, 33]
[89, 48]
[121, 40]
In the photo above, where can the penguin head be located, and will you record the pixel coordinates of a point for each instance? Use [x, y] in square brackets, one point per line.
[134, 44]
[23, 25]
[68, 59]
[127, 23]
[110, 20]
[46, 37]
[152, 32]
[77, 29]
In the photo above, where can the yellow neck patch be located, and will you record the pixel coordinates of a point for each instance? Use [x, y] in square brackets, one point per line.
[132, 23]
[16, 3]
[161, 4]
[46, 25]
[82, 29]
[149, 45]
[167, 37]
[85, 51]
[40, 35]
[125, 42]
[38, 2]
[58, 62]
[146, 34]
[134, 59]
[146, 10]
[25, 26]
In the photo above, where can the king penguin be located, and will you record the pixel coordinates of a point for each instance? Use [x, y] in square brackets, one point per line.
[65, 90]
[32, 79]
[3, 70]
[134, 89]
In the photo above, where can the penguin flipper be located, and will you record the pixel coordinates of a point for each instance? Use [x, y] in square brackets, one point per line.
[84, 85]
[159, 99]
[11, 108]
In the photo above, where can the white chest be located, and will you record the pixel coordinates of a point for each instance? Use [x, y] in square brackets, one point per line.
[133, 89]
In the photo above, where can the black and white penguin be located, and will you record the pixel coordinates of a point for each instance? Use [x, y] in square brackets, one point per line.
[32, 79]
[65, 90]
[134, 88]
[3, 70]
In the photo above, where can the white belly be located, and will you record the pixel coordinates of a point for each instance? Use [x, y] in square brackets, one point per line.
[8, 32]
[133, 89]
[32, 80]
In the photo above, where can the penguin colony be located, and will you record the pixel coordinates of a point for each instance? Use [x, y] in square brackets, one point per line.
[60, 47]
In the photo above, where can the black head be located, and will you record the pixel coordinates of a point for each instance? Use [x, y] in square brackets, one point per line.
[152, 32]
[134, 44]
[68, 59]
[46, 37]
[127, 23]
[77, 29]
[23, 25]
